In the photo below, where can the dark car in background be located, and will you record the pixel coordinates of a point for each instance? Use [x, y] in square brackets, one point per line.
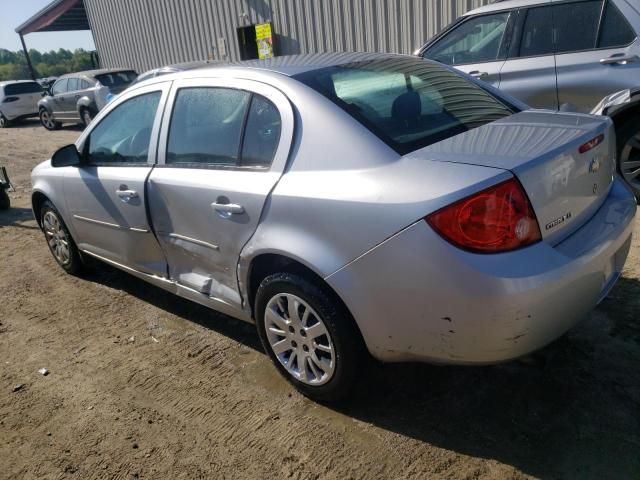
[78, 97]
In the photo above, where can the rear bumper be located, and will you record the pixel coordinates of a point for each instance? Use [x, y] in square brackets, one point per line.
[417, 298]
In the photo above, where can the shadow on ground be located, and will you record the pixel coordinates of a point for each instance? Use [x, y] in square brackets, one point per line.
[571, 410]
[35, 122]
[17, 217]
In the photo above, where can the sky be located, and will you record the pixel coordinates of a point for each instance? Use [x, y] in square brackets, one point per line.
[15, 12]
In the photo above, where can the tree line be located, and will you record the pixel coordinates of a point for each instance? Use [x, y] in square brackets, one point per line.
[13, 65]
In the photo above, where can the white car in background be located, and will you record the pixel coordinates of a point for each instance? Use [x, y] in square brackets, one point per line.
[18, 100]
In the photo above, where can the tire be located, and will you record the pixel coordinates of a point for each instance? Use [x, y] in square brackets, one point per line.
[4, 122]
[86, 114]
[331, 358]
[5, 201]
[628, 137]
[58, 237]
[47, 121]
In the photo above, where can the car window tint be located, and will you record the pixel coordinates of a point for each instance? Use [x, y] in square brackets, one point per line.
[408, 104]
[576, 26]
[262, 133]
[22, 88]
[59, 87]
[537, 33]
[72, 86]
[123, 135]
[476, 40]
[206, 126]
[117, 79]
[615, 30]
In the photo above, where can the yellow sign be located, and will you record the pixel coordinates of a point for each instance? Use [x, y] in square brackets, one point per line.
[264, 40]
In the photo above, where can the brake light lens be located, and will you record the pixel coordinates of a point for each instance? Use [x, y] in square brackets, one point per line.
[498, 219]
[591, 144]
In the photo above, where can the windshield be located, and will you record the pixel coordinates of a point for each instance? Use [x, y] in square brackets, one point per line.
[117, 79]
[408, 103]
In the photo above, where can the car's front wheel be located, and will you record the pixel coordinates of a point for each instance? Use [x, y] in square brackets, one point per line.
[629, 154]
[4, 122]
[59, 240]
[47, 120]
[309, 336]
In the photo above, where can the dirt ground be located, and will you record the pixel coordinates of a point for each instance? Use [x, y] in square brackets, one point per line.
[146, 385]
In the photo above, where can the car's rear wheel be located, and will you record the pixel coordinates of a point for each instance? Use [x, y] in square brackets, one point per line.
[5, 201]
[309, 336]
[629, 154]
[87, 116]
[61, 245]
[47, 121]
[4, 122]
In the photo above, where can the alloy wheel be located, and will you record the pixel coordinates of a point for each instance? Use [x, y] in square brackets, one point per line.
[56, 238]
[630, 161]
[299, 339]
[3, 121]
[47, 121]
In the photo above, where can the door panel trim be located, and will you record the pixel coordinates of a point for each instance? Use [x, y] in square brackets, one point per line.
[195, 241]
[112, 225]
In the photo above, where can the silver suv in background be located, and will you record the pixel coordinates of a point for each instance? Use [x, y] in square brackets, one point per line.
[559, 55]
[78, 97]
[18, 100]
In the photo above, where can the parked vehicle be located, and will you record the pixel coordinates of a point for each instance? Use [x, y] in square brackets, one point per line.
[345, 203]
[18, 100]
[5, 185]
[78, 97]
[178, 67]
[557, 55]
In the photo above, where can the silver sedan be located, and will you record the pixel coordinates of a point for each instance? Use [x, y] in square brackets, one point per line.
[348, 204]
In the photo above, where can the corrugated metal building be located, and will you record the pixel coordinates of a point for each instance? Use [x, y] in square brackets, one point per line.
[145, 34]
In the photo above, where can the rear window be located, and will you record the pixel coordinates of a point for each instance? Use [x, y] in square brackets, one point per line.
[407, 103]
[22, 88]
[116, 79]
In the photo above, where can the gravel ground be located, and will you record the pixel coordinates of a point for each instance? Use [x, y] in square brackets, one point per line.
[142, 384]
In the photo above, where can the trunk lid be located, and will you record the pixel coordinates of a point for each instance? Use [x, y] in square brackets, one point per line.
[542, 149]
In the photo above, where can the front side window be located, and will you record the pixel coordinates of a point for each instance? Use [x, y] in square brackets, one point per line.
[206, 126]
[615, 30]
[123, 136]
[59, 87]
[476, 40]
[576, 26]
[407, 103]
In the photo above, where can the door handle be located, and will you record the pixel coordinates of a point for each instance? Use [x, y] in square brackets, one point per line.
[126, 195]
[478, 74]
[227, 208]
[619, 59]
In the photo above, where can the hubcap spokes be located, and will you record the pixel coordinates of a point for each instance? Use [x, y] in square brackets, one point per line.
[56, 237]
[300, 339]
[47, 120]
[630, 161]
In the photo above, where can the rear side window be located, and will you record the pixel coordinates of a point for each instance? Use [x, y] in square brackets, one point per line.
[615, 30]
[22, 88]
[407, 103]
[537, 33]
[206, 126]
[576, 26]
[84, 85]
[476, 40]
[262, 133]
[72, 86]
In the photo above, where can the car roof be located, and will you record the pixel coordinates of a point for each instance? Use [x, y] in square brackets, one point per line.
[11, 82]
[291, 65]
[94, 73]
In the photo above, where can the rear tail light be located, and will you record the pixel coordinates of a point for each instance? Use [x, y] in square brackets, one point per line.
[591, 144]
[498, 219]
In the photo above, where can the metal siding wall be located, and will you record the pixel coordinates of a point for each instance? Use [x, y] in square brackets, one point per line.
[145, 34]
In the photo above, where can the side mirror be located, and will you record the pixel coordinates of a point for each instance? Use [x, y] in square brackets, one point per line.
[67, 156]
